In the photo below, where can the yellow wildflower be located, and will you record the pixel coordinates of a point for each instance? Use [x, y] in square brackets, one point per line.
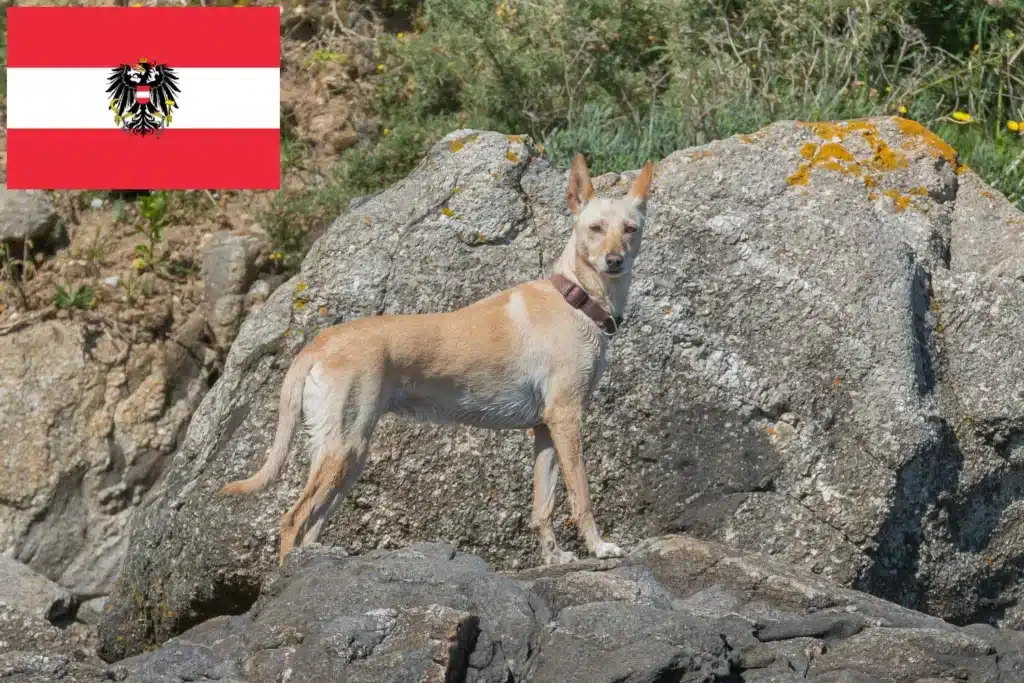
[380, 68]
[504, 11]
[888, 88]
[976, 48]
[400, 36]
[902, 109]
[386, 132]
[962, 117]
[1011, 35]
[1013, 125]
[139, 263]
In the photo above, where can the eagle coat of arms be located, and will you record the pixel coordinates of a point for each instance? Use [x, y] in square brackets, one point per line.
[143, 96]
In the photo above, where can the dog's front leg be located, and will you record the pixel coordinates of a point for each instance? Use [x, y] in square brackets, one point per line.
[545, 479]
[566, 433]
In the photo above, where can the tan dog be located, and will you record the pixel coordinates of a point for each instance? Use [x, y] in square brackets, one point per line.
[537, 352]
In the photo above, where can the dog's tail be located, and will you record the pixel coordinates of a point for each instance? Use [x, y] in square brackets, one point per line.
[288, 415]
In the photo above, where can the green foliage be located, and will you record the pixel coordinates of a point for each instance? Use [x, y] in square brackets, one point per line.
[627, 80]
[15, 271]
[153, 213]
[80, 297]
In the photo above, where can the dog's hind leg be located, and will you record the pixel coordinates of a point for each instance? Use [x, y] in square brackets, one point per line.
[328, 475]
[545, 481]
[355, 461]
[337, 464]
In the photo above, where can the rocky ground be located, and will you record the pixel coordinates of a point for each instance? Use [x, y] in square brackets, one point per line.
[676, 609]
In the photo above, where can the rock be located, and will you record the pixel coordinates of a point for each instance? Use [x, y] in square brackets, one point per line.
[91, 611]
[26, 214]
[229, 268]
[431, 613]
[34, 594]
[257, 294]
[781, 383]
[34, 651]
[87, 421]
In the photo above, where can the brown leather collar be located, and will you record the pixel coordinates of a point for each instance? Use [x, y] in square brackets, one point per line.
[577, 297]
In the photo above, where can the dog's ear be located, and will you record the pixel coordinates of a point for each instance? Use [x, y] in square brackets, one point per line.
[638, 192]
[581, 190]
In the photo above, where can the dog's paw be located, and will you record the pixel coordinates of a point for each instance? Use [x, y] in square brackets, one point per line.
[560, 557]
[604, 550]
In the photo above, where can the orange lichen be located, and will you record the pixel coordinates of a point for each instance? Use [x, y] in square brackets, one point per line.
[753, 137]
[987, 195]
[514, 138]
[458, 143]
[900, 202]
[938, 147]
[920, 191]
[883, 157]
[832, 155]
[512, 156]
[702, 155]
[828, 130]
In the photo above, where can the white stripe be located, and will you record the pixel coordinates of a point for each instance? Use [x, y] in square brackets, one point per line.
[209, 98]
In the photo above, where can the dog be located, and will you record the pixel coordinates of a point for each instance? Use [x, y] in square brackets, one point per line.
[525, 358]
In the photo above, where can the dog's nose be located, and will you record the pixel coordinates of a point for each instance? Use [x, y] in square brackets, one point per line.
[614, 261]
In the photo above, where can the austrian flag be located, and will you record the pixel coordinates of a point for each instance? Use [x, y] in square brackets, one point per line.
[143, 98]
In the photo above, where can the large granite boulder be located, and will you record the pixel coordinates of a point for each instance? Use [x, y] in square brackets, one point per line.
[818, 364]
[677, 609]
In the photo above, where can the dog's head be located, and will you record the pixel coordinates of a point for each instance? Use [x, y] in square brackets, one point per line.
[608, 231]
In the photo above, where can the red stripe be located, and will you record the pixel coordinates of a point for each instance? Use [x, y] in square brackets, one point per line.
[183, 159]
[176, 36]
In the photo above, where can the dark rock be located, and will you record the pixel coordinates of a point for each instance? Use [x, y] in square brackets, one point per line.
[430, 613]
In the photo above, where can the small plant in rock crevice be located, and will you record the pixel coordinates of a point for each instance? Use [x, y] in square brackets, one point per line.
[153, 218]
[15, 271]
[81, 297]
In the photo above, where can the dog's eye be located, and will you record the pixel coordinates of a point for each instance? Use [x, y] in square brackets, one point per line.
[597, 227]
[630, 227]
